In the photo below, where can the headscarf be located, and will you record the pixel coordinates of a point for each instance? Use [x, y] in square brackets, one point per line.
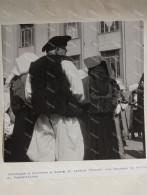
[93, 61]
[22, 65]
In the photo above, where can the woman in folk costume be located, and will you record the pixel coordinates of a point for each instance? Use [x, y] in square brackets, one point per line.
[24, 116]
[103, 102]
[57, 94]
[8, 124]
[140, 111]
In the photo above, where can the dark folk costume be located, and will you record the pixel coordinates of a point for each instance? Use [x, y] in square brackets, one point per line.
[51, 92]
[140, 110]
[140, 105]
[57, 92]
[8, 126]
[24, 115]
[103, 101]
[24, 120]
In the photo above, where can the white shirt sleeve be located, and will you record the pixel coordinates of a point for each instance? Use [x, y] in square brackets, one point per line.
[28, 89]
[8, 130]
[74, 79]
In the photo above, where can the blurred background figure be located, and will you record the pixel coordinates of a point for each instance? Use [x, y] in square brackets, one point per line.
[140, 110]
[136, 122]
[121, 120]
[9, 119]
[133, 111]
[22, 129]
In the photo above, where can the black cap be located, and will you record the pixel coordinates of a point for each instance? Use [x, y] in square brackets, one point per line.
[54, 42]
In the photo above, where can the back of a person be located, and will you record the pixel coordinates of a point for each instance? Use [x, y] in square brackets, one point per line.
[101, 137]
[24, 119]
[50, 88]
[101, 91]
[17, 93]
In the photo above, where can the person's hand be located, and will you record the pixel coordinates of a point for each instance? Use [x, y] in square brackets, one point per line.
[7, 137]
[8, 130]
[118, 109]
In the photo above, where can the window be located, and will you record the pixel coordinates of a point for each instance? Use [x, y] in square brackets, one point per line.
[109, 26]
[72, 29]
[112, 58]
[76, 60]
[26, 35]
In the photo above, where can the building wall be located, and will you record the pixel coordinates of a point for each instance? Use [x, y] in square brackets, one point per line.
[134, 61]
[109, 41]
[22, 50]
[74, 47]
[9, 47]
[129, 41]
[90, 45]
[41, 36]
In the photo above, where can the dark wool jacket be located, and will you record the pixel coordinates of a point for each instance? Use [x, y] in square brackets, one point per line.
[50, 88]
[140, 102]
[25, 119]
[102, 89]
[17, 93]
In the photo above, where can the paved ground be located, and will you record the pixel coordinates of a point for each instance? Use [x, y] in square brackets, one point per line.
[134, 149]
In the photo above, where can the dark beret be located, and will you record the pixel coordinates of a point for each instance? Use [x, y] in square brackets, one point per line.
[54, 42]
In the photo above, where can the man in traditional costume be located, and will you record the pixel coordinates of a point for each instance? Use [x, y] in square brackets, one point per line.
[56, 95]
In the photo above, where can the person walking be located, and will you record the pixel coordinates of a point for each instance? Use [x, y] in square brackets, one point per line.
[103, 102]
[24, 114]
[56, 95]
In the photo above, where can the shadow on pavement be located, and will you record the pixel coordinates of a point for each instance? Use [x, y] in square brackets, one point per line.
[136, 154]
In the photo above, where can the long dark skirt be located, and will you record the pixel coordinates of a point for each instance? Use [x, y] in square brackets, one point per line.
[20, 140]
[100, 137]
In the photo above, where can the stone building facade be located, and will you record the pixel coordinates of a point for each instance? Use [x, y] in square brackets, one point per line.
[120, 42]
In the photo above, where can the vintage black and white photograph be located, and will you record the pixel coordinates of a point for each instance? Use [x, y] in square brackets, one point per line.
[73, 91]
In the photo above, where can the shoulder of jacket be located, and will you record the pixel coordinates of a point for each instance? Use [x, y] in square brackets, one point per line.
[37, 64]
[66, 62]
